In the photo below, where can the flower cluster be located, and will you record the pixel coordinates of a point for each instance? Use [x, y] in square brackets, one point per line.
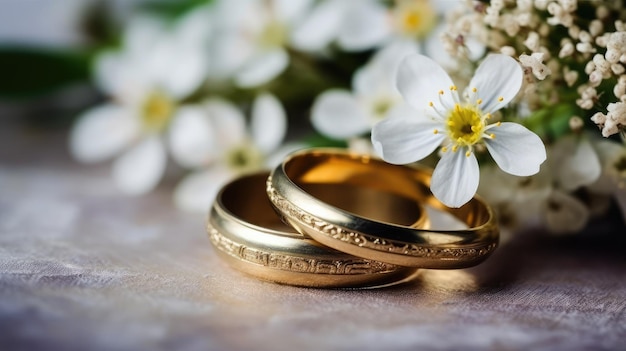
[573, 58]
[534, 87]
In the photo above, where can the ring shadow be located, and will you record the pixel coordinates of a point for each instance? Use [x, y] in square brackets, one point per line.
[529, 254]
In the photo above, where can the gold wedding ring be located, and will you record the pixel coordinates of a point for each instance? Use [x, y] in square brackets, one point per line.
[249, 235]
[304, 189]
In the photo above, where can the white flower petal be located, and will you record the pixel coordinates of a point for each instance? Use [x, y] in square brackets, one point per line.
[338, 115]
[609, 153]
[269, 122]
[121, 76]
[191, 137]
[564, 213]
[320, 27]
[278, 156]
[229, 51]
[515, 149]
[291, 11]
[578, 164]
[228, 122]
[403, 110]
[446, 6]
[475, 47]
[361, 146]
[140, 169]
[378, 75]
[402, 140]
[366, 26]
[496, 186]
[142, 32]
[435, 49]
[196, 27]
[262, 68]
[107, 72]
[419, 79]
[498, 76]
[455, 179]
[103, 132]
[231, 13]
[196, 192]
[183, 73]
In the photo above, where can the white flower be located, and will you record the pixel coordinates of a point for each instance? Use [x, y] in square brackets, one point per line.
[146, 81]
[252, 36]
[572, 164]
[547, 195]
[517, 201]
[366, 24]
[341, 114]
[441, 115]
[612, 181]
[220, 146]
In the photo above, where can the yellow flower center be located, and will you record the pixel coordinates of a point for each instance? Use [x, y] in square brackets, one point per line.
[381, 106]
[415, 17]
[156, 111]
[245, 158]
[273, 35]
[465, 125]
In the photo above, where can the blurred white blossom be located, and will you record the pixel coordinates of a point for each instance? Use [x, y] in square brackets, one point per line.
[367, 24]
[252, 38]
[219, 146]
[146, 81]
[342, 114]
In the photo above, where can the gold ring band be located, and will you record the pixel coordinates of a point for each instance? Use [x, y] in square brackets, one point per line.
[386, 241]
[249, 235]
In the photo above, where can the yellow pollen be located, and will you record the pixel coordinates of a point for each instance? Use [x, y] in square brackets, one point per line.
[244, 158]
[487, 116]
[411, 20]
[440, 92]
[467, 154]
[414, 18]
[498, 124]
[500, 99]
[444, 149]
[465, 125]
[156, 111]
[455, 148]
[435, 131]
[474, 90]
[453, 87]
[273, 35]
[431, 104]
[479, 101]
[492, 136]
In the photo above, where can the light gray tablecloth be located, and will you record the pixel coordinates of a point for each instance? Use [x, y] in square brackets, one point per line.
[83, 267]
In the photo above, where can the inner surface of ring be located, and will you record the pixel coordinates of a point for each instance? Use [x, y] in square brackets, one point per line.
[322, 173]
[366, 202]
[246, 198]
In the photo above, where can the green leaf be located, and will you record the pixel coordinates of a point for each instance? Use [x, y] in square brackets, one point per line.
[318, 140]
[27, 72]
[173, 9]
[558, 124]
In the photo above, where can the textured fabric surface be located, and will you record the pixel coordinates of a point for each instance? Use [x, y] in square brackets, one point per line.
[83, 267]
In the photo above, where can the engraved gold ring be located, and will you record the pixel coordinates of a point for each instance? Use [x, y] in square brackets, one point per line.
[304, 190]
[248, 234]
